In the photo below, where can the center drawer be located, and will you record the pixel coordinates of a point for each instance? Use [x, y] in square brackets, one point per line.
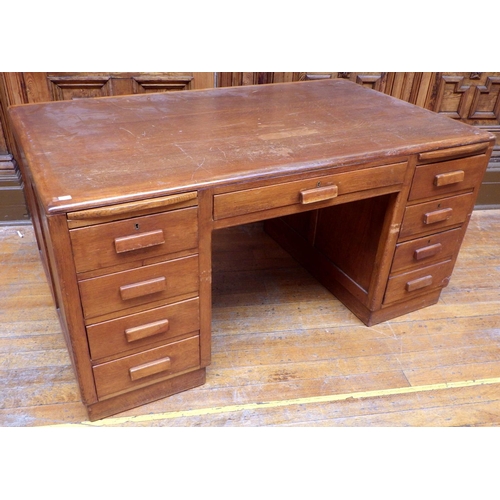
[306, 192]
[141, 286]
[105, 245]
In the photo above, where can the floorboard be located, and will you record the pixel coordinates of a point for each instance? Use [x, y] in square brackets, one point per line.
[285, 351]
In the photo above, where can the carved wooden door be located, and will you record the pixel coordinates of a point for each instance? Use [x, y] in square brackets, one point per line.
[470, 97]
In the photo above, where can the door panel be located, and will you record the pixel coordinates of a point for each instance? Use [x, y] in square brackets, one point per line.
[42, 87]
[473, 98]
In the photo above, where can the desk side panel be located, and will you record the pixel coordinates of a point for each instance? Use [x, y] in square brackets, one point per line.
[60, 258]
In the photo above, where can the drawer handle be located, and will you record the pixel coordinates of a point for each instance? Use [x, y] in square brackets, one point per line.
[449, 178]
[426, 252]
[151, 368]
[441, 154]
[143, 331]
[437, 216]
[419, 283]
[134, 206]
[138, 241]
[142, 288]
[318, 194]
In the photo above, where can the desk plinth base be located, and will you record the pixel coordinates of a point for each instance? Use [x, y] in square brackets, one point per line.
[371, 318]
[129, 400]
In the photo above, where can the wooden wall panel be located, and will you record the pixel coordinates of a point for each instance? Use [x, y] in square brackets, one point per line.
[238, 79]
[470, 97]
[75, 87]
[375, 81]
[57, 86]
[12, 201]
[406, 86]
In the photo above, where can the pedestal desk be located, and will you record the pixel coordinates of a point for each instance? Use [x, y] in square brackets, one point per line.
[371, 194]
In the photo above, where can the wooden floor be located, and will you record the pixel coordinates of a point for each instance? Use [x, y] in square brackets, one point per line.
[285, 351]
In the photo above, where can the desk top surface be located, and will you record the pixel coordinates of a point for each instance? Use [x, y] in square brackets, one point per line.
[90, 152]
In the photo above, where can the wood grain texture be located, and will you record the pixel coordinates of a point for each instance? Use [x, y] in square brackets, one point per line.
[278, 336]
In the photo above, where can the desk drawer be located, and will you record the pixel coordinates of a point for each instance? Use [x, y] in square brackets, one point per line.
[116, 336]
[307, 192]
[105, 245]
[147, 367]
[135, 287]
[444, 178]
[436, 215]
[426, 250]
[405, 286]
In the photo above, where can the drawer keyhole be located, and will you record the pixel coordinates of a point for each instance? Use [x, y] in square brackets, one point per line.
[137, 226]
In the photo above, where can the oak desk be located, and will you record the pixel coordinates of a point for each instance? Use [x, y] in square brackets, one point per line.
[371, 194]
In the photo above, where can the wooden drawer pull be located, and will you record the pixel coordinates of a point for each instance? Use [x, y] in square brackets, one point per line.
[441, 154]
[438, 216]
[426, 252]
[138, 241]
[151, 368]
[449, 178]
[142, 288]
[143, 331]
[134, 206]
[419, 283]
[318, 194]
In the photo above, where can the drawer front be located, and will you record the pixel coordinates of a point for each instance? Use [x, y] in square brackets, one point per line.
[147, 367]
[139, 330]
[135, 287]
[405, 286]
[426, 250]
[444, 178]
[436, 215]
[306, 192]
[112, 243]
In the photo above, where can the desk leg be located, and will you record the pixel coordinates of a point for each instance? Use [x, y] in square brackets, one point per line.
[205, 262]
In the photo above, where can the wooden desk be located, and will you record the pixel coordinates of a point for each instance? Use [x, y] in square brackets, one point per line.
[371, 194]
